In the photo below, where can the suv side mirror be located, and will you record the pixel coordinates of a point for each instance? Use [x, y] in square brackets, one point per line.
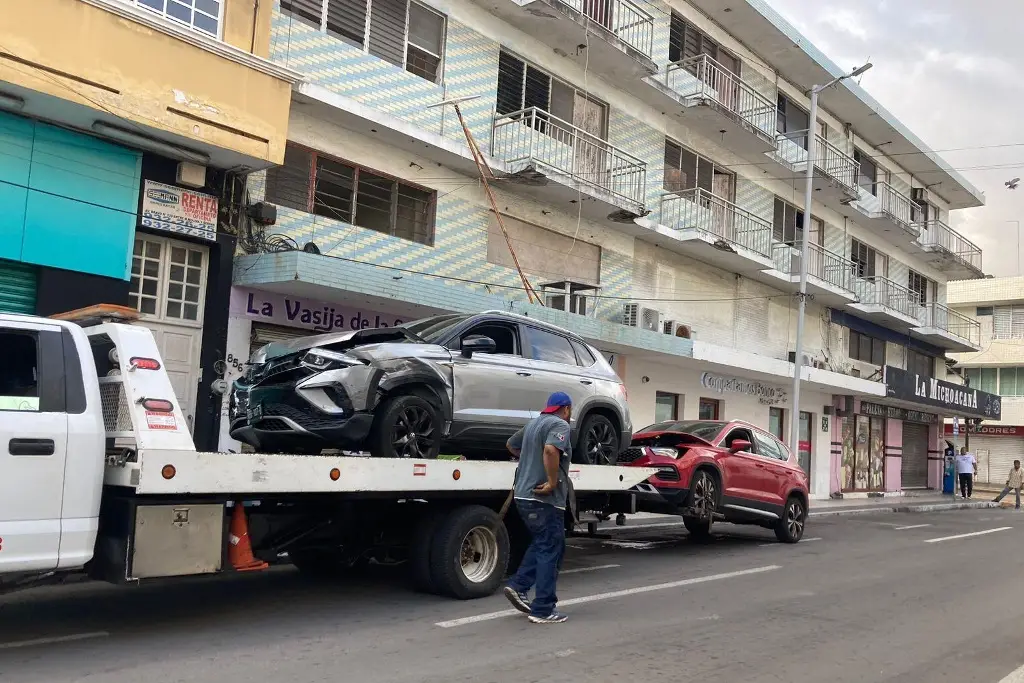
[477, 343]
[739, 445]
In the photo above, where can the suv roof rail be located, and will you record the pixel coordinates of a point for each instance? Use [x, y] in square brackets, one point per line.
[535, 321]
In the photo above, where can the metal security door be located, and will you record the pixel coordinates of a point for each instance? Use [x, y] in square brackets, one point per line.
[914, 468]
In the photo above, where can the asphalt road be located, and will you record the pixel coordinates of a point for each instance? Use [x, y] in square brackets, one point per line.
[873, 598]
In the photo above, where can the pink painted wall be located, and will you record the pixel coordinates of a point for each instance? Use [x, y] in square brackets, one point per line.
[893, 455]
[936, 449]
[836, 452]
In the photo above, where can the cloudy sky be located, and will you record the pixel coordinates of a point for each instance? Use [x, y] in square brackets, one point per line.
[949, 69]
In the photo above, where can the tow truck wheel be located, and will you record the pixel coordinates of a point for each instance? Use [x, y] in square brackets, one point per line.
[420, 552]
[469, 554]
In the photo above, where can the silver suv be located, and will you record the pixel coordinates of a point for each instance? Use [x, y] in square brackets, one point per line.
[458, 384]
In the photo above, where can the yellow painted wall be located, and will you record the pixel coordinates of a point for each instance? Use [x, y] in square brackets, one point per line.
[238, 25]
[244, 110]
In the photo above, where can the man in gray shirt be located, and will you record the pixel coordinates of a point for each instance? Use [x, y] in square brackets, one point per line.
[541, 488]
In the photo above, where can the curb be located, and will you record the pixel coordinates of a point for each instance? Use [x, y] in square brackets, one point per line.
[921, 507]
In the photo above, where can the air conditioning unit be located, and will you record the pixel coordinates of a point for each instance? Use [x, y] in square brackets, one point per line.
[677, 329]
[570, 296]
[919, 194]
[808, 359]
[577, 303]
[635, 315]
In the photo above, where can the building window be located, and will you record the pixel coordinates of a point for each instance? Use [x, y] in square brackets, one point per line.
[168, 279]
[792, 121]
[686, 41]
[776, 422]
[1008, 322]
[865, 259]
[404, 33]
[788, 225]
[1011, 381]
[666, 407]
[922, 287]
[867, 172]
[866, 349]
[202, 15]
[310, 181]
[983, 378]
[685, 170]
[920, 363]
[710, 409]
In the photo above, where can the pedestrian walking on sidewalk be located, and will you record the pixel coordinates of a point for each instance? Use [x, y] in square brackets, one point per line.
[541, 489]
[1014, 482]
[966, 466]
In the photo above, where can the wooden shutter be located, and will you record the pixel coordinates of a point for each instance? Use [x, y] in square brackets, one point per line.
[1001, 322]
[346, 19]
[510, 83]
[288, 184]
[307, 11]
[387, 30]
[538, 89]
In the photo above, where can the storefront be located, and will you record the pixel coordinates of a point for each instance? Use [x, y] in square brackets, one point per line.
[995, 447]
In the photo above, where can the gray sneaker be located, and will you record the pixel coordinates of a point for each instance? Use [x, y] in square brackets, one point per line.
[553, 618]
[519, 600]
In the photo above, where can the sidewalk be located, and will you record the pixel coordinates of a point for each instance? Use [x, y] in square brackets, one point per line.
[925, 501]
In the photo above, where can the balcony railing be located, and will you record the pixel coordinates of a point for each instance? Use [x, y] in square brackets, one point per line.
[938, 234]
[699, 209]
[881, 291]
[894, 204]
[535, 136]
[630, 24]
[822, 264]
[833, 162]
[941, 317]
[702, 76]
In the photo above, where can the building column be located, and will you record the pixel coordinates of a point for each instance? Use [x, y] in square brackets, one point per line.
[893, 455]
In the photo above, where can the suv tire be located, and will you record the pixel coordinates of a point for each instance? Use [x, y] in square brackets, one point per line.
[790, 529]
[406, 426]
[598, 443]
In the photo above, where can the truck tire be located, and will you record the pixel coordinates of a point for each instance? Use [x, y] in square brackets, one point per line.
[420, 552]
[469, 554]
[406, 426]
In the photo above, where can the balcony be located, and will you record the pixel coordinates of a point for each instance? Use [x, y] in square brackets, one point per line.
[948, 329]
[707, 97]
[714, 230]
[555, 162]
[889, 304]
[835, 171]
[949, 251]
[619, 33]
[829, 275]
[887, 212]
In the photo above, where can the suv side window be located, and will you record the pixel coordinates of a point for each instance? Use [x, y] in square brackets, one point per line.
[740, 434]
[583, 355]
[550, 347]
[769, 447]
[506, 337]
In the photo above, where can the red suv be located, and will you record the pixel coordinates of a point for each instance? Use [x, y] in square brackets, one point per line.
[713, 470]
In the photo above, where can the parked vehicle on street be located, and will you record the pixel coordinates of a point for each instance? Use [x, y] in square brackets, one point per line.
[712, 470]
[457, 384]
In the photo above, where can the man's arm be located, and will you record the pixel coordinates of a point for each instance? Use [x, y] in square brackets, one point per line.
[555, 443]
[515, 444]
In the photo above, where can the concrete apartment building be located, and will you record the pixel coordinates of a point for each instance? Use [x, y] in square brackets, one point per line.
[648, 160]
[997, 367]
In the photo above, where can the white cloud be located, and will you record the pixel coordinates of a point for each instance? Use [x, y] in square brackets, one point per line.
[845, 21]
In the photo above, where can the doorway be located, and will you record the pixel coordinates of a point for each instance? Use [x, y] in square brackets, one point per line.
[914, 464]
[591, 157]
[863, 453]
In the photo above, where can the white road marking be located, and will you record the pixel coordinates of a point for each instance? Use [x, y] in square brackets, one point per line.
[779, 545]
[640, 526]
[575, 547]
[613, 594]
[636, 545]
[1015, 676]
[55, 639]
[565, 653]
[588, 569]
[910, 526]
[974, 533]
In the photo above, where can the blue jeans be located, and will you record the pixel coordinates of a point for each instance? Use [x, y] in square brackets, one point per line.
[543, 559]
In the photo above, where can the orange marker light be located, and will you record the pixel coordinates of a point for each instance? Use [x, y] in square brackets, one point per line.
[168, 472]
[335, 474]
[456, 475]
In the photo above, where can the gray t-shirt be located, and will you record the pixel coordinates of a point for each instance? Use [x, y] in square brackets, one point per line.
[530, 440]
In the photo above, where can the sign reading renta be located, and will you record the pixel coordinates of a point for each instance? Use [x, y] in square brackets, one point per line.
[175, 209]
[765, 393]
[292, 311]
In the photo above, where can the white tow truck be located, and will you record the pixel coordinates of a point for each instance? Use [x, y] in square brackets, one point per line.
[99, 475]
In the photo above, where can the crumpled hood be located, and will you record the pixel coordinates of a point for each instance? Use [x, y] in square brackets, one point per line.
[664, 438]
[335, 340]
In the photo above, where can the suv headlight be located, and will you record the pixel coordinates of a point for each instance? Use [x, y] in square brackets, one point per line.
[323, 359]
[664, 451]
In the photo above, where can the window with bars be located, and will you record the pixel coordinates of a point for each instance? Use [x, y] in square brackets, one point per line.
[792, 121]
[922, 287]
[788, 225]
[407, 34]
[1008, 322]
[867, 172]
[312, 182]
[865, 259]
[202, 15]
[168, 279]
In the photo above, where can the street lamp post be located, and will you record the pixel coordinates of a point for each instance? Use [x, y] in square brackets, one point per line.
[794, 421]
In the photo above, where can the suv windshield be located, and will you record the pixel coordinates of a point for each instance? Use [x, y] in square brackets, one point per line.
[433, 328]
[705, 430]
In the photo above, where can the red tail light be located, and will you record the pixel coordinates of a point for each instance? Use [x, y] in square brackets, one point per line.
[144, 363]
[157, 405]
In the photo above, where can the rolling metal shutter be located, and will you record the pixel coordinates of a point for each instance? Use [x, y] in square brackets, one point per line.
[266, 334]
[914, 466]
[995, 456]
[17, 287]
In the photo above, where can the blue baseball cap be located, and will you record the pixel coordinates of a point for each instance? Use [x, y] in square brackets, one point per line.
[557, 401]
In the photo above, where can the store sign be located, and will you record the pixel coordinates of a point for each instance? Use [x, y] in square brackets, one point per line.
[174, 209]
[894, 413]
[954, 398]
[989, 430]
[278, 309]
[765, 393]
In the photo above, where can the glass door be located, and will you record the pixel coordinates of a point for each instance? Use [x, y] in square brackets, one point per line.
[804, 445]
[863, 453]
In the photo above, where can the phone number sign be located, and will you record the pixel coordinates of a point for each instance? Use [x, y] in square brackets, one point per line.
[177, 210]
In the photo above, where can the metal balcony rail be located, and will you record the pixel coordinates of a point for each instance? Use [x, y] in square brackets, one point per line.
[829, 159]
[624, 18]
[533, 135]
[697, 208]
[881, 291]
[938, 234]
[941, 317]
[702, 76]
[895, 204]
[822, 264]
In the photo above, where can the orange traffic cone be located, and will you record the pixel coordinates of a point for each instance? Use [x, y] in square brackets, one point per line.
[240, 548]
